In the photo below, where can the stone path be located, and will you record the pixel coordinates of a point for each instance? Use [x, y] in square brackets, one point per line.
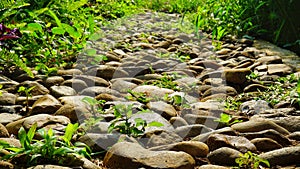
[164, 75]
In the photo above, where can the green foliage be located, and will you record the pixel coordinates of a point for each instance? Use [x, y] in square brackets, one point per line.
[136, 96]
[93, 58]
[27, 92]
[233, 103]
[95, 105]
[95, 108]
[174, 6]
[227, 119]
[284, 89]
[41, 67]
[252, 76]
[123, 124]
[167, 81]
[55, 32]
[250, 160]
[298, 91]
[11, 59]
[1, 90]
[223, 17]
[50, 148]
[177, 101]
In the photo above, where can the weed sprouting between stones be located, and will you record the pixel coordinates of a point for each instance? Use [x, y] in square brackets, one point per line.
[123, 122]
[51, 148]
[250, 160]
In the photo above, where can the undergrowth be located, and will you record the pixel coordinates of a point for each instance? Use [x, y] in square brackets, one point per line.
[53, 33]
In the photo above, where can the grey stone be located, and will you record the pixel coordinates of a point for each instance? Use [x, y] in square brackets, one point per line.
[153, 91]
[37, 90]
[272, 134]
[3, 131]
[283, 157]
[7, 98]
[279, 69]
[46, 104]
[8, 117]
[258, 125]
[194, 148]
[226, 130]
[178, 121]
[210, 166]
[253, 107]
[135, 156]
[208, 121]
[122, 85]
[53, 81]
[96, 90]
[71, 72]
[230, 91]
[92, 80]
[158, 138]
[236, 76]
[41, 120]
[223, 156]
[162, 108]
[241, 144]
[77, 84]
[192, 130]
[60, 91]
[265, 144]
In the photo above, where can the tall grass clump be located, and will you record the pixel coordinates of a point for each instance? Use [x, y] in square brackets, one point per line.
[272, 20]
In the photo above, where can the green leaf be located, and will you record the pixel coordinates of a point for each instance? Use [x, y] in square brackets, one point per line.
[57, 20]
[111, 127]
[15, 149]
[75, 5]
[22, 136]
[298, 87]
[99, 58]
[10, 9]
[118, 111]
[128, 111]
[21, 89]
[177, 99]
[29, 89]
[265, 162]
[71, 30]
[91, 52]
[136, 132]
[50, 132]
[58, 31]
[35, 27]
[90, 101]
[62, 151]
[224, 117]
[140, 122]
[31, 131]
[95, 36]
[91, 24]
[69, 131]
[4, 144]
[35, 156]
[155, 124]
